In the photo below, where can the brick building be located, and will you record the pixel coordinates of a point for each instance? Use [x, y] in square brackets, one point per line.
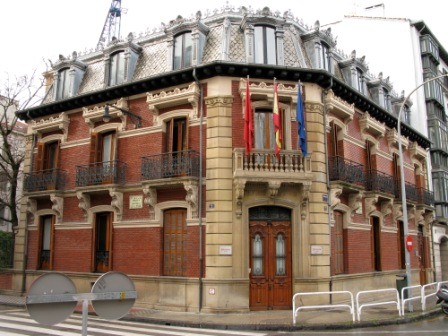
[138, 164]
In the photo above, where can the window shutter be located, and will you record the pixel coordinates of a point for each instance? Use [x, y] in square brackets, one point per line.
[53, 221]
[40, 156]
[58, 150]
[93, 147]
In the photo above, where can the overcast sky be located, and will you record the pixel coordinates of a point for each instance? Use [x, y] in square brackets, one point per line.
[33, 31]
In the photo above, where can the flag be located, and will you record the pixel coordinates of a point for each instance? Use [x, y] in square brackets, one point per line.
[277, 123]
[301, 121]
[248, 120]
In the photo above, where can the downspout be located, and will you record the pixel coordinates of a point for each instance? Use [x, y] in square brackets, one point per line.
[201, 258]
[324, 93]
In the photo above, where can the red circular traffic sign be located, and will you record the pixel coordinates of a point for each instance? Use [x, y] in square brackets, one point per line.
[409, 243]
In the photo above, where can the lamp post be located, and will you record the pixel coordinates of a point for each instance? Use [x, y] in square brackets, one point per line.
[403, 188]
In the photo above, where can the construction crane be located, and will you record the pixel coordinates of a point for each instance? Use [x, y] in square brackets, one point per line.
[112, 24]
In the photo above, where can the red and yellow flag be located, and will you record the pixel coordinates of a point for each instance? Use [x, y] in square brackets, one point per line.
[277, 123]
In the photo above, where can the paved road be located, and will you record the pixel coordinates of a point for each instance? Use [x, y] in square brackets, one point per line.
[16, 321]
[434, 326]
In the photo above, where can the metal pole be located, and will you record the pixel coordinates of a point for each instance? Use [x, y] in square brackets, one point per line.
[403, 189]
[85, 311]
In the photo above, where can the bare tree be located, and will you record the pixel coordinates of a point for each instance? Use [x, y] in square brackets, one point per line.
[15, 94]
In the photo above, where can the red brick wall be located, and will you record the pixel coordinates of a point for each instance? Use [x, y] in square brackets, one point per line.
[5, 281]
[72, 250]
[137, 251]
[359, 251]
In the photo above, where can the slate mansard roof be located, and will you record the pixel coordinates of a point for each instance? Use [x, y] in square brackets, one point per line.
[223, 53]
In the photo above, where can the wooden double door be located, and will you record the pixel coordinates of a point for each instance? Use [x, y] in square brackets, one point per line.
[270, 258]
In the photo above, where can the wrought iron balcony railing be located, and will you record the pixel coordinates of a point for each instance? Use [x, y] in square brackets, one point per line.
[174, 164]
[425, 196]
[341, 169]
[109, 172]
[378, 181]
[50, 179]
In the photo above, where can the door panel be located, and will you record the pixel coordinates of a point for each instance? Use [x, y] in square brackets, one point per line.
[270, 256]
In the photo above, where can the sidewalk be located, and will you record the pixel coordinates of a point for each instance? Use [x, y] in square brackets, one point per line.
[274, 320]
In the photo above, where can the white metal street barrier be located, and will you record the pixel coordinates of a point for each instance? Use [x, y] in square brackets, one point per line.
[433, 287]
[346, 293]
[413, 297]
[377, 303]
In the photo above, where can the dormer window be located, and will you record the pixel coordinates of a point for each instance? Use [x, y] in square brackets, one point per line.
[117, 68]
[360, 80]
[325, 57]
[265, 45]
[63, 90]
[121, 59]
[386, 99]
[183, 48]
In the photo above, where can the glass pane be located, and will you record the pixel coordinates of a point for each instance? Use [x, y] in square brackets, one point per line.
[257, 255]
[188, 50]
[280, 255]
[46, 234]
[271, 53]
[107, 145]
[259, 44]
[177, 52]
[259, 130]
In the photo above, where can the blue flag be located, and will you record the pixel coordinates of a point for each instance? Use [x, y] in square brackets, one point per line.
[301, 121]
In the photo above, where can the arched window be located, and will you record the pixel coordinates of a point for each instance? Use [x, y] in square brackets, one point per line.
[265, 45]
[183, 51]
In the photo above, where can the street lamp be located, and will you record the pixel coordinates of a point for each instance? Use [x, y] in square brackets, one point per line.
[137, 120]
[403, 188]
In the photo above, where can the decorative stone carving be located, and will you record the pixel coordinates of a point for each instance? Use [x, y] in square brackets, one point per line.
[411, 211]
[386, 207]
[370, 203]
[192, 196]
[397, 212]
[117, 203]
[355, 202]
[371, 126]
[335, 193]
[84, 202]
[392, 140]
[150, 200]
[177, 96]
[57, 207]
[239, 194]
[339, 107]
[273, 187]
[51, 124]
[31, 206]
[96, 113]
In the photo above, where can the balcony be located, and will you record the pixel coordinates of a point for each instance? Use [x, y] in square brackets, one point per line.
[380, 182]
[51, 179]
[425, 196]
[343, 170]
[262, 166]
[168, 165]
[109, 172]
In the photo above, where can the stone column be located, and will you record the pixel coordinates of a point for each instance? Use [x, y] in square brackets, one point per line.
[219, 187]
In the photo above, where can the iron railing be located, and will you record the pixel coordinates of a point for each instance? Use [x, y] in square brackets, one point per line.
[50, 179]
[378, 181]
[109, 172]
[165, 165]
[341, 169]
[425, 196]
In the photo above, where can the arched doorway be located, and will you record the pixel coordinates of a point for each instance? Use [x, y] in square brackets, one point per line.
[270, 258]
